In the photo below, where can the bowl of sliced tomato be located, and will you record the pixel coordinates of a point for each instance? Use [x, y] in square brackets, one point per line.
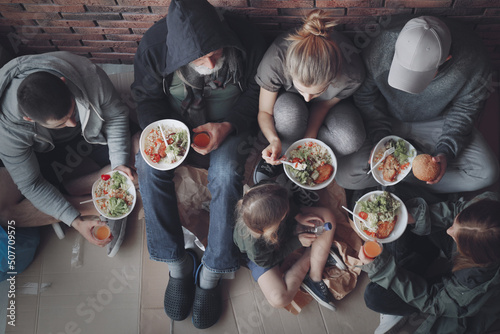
[164, 144]
[316, 161]
[385, 214]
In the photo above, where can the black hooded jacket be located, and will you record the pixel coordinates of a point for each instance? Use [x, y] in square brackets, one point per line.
[192, 29]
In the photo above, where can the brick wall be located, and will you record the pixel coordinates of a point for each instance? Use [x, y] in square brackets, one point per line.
[108, 31]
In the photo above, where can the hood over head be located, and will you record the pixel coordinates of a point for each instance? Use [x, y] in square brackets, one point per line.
[194, 29]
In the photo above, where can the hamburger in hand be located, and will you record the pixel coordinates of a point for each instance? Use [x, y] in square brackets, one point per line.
[424, 168]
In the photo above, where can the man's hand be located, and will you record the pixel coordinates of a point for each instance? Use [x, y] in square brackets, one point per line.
[272, 153]
[218, 133]
[84, 225]
[441, 159]
[127, 170]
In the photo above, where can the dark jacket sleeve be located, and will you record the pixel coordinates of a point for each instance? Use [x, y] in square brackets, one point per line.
[148, 87]
[246, 107]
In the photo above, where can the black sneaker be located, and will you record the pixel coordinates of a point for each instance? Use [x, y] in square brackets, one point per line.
[319, 291]
[303, 196]
[334, 259]
[265, 171]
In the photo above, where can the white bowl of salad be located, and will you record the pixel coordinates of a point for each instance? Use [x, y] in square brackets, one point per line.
[114, 195]
[385, 213]
[167, 150]
[397, 165]
[318, 159]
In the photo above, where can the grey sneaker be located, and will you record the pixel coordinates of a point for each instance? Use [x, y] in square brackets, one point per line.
[334, 259]
[117, 228]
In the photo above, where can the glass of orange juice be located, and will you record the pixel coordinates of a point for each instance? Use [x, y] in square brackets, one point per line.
[101, 232]
[201, 139]
[372, 249]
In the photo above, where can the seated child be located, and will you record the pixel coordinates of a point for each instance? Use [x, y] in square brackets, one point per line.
[464, 299]
[266, 232]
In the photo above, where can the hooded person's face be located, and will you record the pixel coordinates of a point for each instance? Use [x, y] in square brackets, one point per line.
[210, 63]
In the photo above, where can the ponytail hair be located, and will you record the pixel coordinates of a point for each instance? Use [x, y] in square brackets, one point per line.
[478, 235]
[312, 58]
[262, 207]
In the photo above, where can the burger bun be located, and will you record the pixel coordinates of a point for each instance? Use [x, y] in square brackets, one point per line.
[424, 168]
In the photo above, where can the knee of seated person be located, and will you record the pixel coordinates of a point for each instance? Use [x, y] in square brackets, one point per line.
[288, 103]
[372, 296]
[278, 299]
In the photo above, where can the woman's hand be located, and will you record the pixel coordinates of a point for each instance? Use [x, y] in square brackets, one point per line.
[363, 258]
[272, 153]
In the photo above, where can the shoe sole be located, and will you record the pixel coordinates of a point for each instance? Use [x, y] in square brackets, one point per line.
[340, 264]
[319, 300]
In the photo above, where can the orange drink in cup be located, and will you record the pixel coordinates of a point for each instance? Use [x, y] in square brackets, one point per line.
[201, 139]
[101, 232]
[372, 249]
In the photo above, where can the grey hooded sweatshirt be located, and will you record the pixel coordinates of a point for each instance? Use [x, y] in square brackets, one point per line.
[103, 117]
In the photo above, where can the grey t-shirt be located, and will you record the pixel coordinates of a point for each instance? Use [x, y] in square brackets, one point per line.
[272, 75]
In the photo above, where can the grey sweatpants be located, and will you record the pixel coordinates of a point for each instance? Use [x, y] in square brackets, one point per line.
[342, 128]
[476, 167]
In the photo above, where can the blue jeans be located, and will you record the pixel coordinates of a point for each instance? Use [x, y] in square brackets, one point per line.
[225, 181]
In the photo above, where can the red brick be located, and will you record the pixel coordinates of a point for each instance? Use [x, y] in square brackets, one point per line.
[27, 30]
[489, 35]
[113, 55]
[66, 23]
[13, 7]
[66, 42]
[34, 1]
[54, 8]
[57, 30]
[253, 11]
[348, 3]
[82, 49]
[129, 37]
[448, 11]
[100, 30]
[144, 3]
[109, 44]
[11, 22]
[104, 61]
[377, 11]
[124, 24]
[35, 42]
[159, 10]
[92, 16]
[282, 4]
[275, 19]
[62, 36]
[118, 9]
[228, 3]
[139, 31]
[142, 17]
[476, 3]
[125, 50]
[303, 12]
[31, 16]
[418, 3]
[86, 2]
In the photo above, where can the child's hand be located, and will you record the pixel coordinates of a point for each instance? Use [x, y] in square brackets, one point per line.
[306, 239]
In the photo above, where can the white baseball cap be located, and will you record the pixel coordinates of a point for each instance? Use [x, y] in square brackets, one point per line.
[422, 45]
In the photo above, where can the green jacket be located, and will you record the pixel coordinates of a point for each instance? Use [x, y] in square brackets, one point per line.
[466, 301]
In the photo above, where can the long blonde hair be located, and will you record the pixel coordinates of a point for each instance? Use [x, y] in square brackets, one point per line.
[312, 58]
[478, 235]
[262, 207]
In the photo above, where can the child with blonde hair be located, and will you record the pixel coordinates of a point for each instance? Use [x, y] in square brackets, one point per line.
[266, 233]
[305, 78]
